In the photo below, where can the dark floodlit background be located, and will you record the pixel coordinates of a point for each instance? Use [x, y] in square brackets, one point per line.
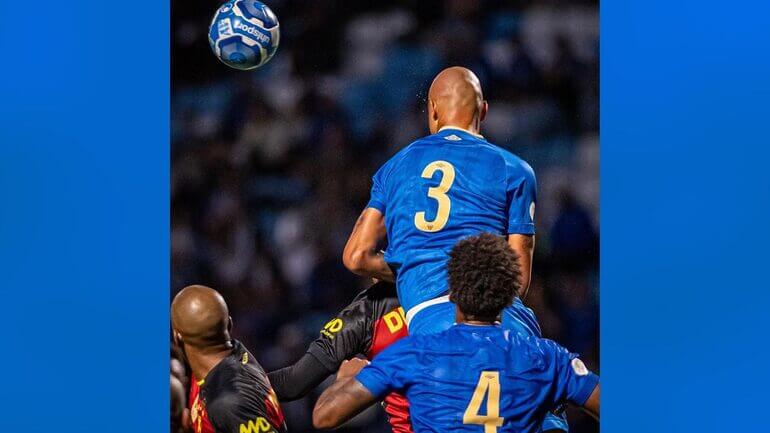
[271, 168]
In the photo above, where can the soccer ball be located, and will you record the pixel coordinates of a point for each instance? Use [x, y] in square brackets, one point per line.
[244, 34]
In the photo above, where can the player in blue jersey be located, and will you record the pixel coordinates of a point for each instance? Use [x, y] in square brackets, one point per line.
[436, 191]
[476, 376]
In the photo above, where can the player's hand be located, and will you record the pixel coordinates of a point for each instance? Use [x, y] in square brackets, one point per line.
[351, 368]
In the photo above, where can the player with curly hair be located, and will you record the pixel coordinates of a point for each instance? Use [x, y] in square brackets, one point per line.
[476, 374]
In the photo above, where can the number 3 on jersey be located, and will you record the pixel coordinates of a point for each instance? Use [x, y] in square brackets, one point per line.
[438, 193]
[489, 385]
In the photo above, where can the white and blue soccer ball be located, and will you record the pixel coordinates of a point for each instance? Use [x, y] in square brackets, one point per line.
[244, 34]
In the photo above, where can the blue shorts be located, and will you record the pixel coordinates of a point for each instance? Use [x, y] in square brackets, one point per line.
[517, 317]
[440, 317]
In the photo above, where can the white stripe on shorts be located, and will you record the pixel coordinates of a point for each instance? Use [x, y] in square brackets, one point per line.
[423, 305]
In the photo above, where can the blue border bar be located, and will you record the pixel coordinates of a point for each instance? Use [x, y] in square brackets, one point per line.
[685, 214]
[84, 219]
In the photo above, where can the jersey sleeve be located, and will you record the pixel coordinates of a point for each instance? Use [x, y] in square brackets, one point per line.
[297, 380]
[344, 336]
[377, 198]
[572, 380]
[521, 190]
[390, 370]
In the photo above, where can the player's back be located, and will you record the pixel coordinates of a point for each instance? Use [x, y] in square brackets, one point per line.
[480, 379]
[236, 395]
[438, 190]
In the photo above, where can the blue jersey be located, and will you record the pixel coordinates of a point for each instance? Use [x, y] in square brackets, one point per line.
[440, 189]
[479, 379]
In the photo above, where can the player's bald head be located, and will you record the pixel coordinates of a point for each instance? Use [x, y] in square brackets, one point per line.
[200, 315]
[455, 98]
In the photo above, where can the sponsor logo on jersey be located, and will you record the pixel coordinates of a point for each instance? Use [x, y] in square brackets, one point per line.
[394, 320]
[332, 327]
[255, 426]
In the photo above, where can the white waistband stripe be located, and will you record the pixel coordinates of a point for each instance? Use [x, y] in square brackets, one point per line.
[423, 305]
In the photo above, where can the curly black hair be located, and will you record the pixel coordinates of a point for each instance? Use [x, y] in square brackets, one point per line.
[483, 276]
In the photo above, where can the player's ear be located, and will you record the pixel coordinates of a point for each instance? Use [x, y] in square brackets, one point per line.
[459, 315]
[229, 324]
[432, 116]
[177, 337]
[433, 111]
[483, 111]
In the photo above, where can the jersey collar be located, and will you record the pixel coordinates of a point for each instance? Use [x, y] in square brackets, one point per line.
[461, 129]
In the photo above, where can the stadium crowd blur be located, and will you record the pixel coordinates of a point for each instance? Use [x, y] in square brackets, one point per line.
[270, 168]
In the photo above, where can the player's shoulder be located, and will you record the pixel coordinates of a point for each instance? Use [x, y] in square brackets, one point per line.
[238, 373]
[534, 350]
[379, 294]
[372, 303]
[361, 306]
[404, 152]
[361, 309]
[237, 388]
[515, 165]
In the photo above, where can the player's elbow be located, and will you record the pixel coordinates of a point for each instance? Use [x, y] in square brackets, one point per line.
[526, 279]
[354, 260]
[323, 419]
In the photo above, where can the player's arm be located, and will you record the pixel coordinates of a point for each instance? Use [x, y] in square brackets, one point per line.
[361, 255]
[591, 406]
[390, 371]
[297, 380]
[344, 399]
[573, 382]
[521, 190]
[342, 337]
[524, 247]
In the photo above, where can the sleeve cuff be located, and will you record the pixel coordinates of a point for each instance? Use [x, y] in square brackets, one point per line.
[521, 229]
[376, 204]
[586, 388]
[368, 378]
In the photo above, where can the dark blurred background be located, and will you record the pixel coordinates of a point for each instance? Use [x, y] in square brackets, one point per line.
[270, 168]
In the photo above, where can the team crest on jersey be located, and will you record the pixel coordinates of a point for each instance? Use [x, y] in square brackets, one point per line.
[578, 367]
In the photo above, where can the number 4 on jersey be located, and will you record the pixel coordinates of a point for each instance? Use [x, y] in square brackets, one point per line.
[489, 385]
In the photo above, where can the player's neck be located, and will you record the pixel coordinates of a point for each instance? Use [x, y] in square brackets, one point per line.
[470, 129]
[202, 361]
[479, 322]
[461, 318]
